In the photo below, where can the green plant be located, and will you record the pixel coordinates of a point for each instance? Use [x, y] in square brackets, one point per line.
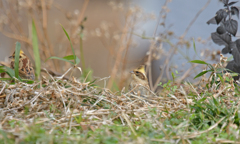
[170, 86]
[223, 35]
[36, 50]
[72, 59]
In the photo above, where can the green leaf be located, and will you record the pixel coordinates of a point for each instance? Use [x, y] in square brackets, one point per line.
[36, 50]
[2, 69]
[160, 84]
[215, 102]
[16, 61]
[70, 44]
[28, 81]
[201, 100]
[10, 72]
[194, 46]
[220, 69]
[227, 79]
[92, 82]
[221, 79]
[234, 74]
[71, 57]
[211, 67]
[201, 73]
[5, 79]
[199, 62]
[54, 57]
[173, 76]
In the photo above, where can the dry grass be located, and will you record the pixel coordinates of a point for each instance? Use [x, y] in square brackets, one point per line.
[66, 109]
[70, 106]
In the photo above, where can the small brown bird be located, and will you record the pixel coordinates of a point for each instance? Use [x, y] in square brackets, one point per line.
[26, 70]
[139, 83]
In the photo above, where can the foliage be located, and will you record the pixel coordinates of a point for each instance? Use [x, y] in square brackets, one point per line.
[68, 58]
[36, 50]
[223, 35]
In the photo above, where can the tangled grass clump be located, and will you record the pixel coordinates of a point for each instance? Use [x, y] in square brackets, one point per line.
[60, 110]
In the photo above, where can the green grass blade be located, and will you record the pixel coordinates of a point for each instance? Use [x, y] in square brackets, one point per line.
[70, 44]
[201, 73]
[194, 46]
[2, 71]
[69, 57]
[5, 79]
[63, 59]
[210, 66]
[36, 50]
[198, 61]
[10, 72]
[16, 61]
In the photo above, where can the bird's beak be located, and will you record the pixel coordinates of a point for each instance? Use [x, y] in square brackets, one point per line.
[131, 72]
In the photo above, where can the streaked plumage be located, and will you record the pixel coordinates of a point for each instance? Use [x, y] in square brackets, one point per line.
[139, 78]
[26, 70]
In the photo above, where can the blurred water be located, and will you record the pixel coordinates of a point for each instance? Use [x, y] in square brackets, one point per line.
[182, 12]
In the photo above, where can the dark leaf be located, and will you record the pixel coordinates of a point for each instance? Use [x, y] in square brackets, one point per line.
[238, 44]
[232, 3]
[236, 68]
[230, 65]
[232, 45]
[223, 39]
[212, 21]
[236, 57]
[226, 50]
[225, 1]
[220, 15]
[231, 26]
[221, 30]
[235, 11]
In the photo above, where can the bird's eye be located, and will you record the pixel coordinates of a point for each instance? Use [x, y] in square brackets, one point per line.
[20, 56]
[137, 72]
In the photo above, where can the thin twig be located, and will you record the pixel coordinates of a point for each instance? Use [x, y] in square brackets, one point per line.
[195, 18]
